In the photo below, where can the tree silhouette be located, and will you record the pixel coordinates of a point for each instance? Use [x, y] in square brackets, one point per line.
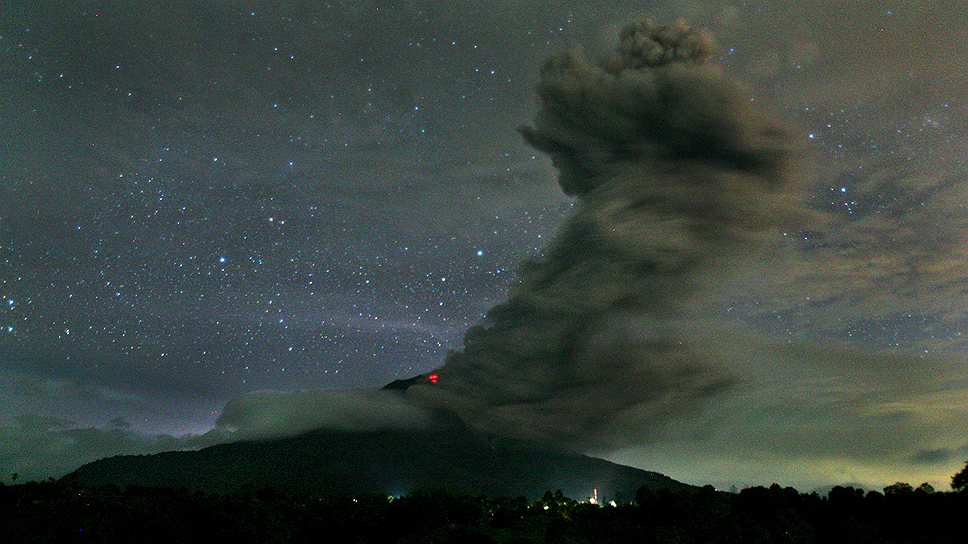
[959, 482]
[59, 511]
[899, 488]
[925, 488]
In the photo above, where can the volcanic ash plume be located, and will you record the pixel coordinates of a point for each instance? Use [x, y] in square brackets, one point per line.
[676, 175]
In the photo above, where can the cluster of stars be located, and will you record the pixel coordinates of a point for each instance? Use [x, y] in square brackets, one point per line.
[318, 199]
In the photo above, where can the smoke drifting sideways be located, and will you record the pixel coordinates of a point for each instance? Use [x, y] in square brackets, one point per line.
[677, 179]
[267, 414]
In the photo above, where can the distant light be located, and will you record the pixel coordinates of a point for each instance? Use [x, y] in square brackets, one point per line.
[811, 135]
[843, 189]
[221, 259]
[433, 378]
[480, 252]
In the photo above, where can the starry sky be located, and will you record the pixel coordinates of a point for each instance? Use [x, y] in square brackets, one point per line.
[199, 200]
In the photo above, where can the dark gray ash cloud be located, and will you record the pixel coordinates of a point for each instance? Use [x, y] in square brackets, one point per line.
[676, 176]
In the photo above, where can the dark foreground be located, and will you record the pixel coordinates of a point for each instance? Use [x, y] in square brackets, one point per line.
[64, 512]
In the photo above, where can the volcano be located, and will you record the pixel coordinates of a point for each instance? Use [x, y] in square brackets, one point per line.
[384, 462]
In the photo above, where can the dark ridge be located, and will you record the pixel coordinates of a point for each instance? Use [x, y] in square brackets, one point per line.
[392, 462]
[405, 383]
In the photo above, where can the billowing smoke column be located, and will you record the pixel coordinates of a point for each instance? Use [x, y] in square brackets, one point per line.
[676, 175]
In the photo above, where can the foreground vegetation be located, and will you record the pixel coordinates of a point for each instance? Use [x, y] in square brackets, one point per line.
[62, 512]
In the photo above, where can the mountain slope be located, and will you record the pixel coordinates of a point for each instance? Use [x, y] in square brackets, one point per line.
[392, 462]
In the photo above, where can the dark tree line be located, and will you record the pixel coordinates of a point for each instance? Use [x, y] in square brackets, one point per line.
[62, 512]
[959, 482]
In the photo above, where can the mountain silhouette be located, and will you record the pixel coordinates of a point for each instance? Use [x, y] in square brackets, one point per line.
[392, 462]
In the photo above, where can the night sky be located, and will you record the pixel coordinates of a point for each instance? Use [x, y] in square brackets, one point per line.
[199, 200]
